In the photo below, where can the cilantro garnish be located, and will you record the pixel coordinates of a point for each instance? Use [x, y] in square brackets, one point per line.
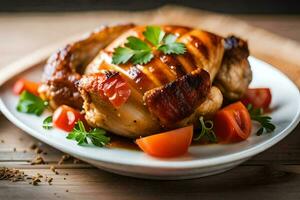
[29, 103]
[206, 131]
[95, 136]
[140, 52]
[47, 123]
[257, 115]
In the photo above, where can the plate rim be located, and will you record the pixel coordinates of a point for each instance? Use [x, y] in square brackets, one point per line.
[174, 164]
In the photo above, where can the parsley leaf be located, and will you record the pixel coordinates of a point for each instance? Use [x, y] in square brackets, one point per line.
[29, 103]
[206, 131]
[173, 48]
[140, 52]
[154, 35]
[170, 39]
[122, 55]
[256, 114]
[142, 57]
[98, 138]
[47, 123]
[135, 43]
[95, 136]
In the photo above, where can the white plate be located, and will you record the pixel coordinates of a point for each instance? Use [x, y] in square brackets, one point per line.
[200, 161]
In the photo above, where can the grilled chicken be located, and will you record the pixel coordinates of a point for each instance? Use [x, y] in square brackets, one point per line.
[65, 67]
[234, 76]
[168, 92]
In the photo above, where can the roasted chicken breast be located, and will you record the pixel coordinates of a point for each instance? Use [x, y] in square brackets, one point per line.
[169, 91]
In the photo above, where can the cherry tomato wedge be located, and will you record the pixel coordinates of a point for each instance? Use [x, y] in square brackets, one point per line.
[168, 144]
[65, 117]
[116, 89]
[23, 84]
[258, 97]
[232, 123]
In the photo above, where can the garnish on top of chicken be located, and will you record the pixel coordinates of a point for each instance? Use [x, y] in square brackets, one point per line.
[135, 100]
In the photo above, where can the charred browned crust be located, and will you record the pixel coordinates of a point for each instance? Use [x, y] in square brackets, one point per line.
[235, 47]
[178, 99]
[235, 73]
[64, 68]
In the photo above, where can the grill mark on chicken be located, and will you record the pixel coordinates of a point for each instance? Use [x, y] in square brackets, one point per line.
[173, 64]
[178, 99]
[149, 74]
[165, 69]
[158, 70]
[202, 48]
[187, 61]
[214, 39]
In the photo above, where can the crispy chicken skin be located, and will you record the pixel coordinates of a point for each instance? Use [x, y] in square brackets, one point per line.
[178, 99]
[64, 68]
[235, 74]
[168, 92]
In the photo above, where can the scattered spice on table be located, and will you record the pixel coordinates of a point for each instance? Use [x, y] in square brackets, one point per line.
[35, 180]
[38, 160]
[33, 146]
[64, 158]
[13, 175]
[53, 169]
[38, 150]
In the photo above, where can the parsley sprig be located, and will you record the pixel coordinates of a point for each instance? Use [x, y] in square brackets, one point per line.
[257, 115]
[29, 103]
[206, 131]
[141, 52]
[96, 136]
[47, 123]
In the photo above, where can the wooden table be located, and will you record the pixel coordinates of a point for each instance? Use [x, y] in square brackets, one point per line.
[273, 174]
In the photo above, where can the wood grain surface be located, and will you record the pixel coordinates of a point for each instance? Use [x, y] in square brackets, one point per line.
[273, 174]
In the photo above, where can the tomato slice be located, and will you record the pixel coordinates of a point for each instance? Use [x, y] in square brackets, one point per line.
[65, 117]
[168, 144]
[23, 84]
[258, 97]
[115, 88]
[232, 123]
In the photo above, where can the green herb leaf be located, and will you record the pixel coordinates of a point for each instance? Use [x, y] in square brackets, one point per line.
[206, 131]
[96, 136]
[173, 48]
[29, 103]
[135, 43]
[139, 52]
[142, 57]
[170, 39]
[257, 115]
[122, 55]
[47, 123]
[154, 35]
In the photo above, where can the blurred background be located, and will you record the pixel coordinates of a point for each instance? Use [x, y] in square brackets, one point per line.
[225, 6]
